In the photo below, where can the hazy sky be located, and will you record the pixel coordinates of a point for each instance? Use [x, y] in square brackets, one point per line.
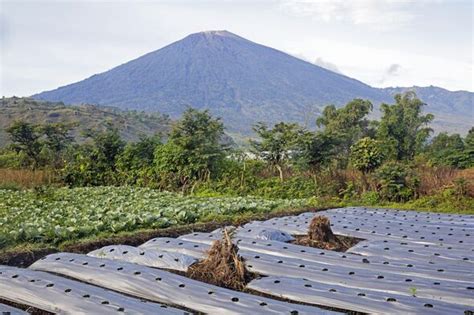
[46, 44]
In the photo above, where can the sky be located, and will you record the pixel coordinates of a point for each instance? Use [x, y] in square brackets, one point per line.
[47, 44]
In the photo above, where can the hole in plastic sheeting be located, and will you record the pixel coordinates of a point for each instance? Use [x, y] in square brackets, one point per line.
[68, 290]
[58, 258]
[210, 292]
[391, 300]
[158, 279]
[142, 253]
[308, 285]
[324, 269]
[280, 262]
[105, 302]
[436, 283]
[125, 252]
[71, 260]
[428, 305]
[351, 273]
[276, 281]
[294, 313]
[440, 270]
[234, 299]
[408, 280]
[380, 277]
[301, 266]
[182, 285]
[85, 263]
[120, 268]
[332, 290]
[263, 304]
[257, 257]
[86, 296]
[470, 288]
[50, 285]
[409, 265]
[137, 273]
[15, 276]
[120, 309]
[361, 294]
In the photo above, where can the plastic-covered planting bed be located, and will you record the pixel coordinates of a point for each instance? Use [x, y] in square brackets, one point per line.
[379, 263]
[426, 217]
[158, 285]
[416, 252]
[9, 310]
[154, 258]
[376, 226]
[64, 296]
[353, 298]
[389, 283]
[176, 245]
[329, 272]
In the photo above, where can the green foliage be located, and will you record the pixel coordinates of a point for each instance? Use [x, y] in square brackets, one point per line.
[447, 150]
[403, 128]
[26, 139]
[366, 154]
[317, 150]
[397, 182]
[12, 159]
[135, 165]
[194, 150]
[346, 125]
[53, 216]
[40, 145]
[277, 144]
[94, 163]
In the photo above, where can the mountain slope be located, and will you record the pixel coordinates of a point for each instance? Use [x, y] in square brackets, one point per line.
[239, 80]
[131, 125]
[454, 110]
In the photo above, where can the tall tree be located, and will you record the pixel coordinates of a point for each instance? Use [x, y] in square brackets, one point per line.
[25, 138]
[403, 128]
[276, 145]
[346, 125]
[194, 149]
[56, 139]
[135, 163]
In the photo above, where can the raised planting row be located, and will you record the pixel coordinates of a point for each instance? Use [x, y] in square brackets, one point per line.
[60, 295]
[165, 287]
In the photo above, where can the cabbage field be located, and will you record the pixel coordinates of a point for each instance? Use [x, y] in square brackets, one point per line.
[57, 215]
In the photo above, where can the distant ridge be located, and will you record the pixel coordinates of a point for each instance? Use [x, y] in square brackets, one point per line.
[243, 82]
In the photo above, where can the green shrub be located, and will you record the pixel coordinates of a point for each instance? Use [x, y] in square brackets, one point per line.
[396, 182]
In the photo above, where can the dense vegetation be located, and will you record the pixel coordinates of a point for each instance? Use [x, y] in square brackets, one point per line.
[349, 159]
[52, 216]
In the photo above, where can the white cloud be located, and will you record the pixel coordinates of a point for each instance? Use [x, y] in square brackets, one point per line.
[381, 15]
[327, 65]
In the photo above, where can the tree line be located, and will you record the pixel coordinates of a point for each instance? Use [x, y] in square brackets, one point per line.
[195, 157]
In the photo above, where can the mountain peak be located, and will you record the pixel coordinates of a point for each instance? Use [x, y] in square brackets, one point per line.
[213, 34]
[238, 80]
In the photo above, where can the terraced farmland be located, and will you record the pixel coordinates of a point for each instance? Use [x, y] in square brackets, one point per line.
[407, 263]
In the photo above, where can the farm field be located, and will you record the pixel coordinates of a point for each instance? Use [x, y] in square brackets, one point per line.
[407, 262]
[56, 215]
